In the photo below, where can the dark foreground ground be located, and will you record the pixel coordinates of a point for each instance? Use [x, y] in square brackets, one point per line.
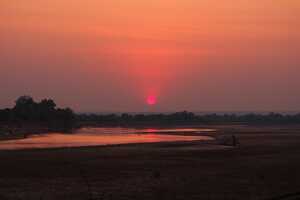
[265, 166]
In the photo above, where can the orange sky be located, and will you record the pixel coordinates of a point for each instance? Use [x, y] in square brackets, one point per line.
[191, 54]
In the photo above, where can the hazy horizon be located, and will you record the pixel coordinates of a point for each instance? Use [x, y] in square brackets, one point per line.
[152, 56]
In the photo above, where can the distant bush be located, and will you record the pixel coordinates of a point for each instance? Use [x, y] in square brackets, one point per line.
[45, 111]
[185, 118]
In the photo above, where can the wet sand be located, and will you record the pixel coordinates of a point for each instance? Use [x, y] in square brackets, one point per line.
[265, 166]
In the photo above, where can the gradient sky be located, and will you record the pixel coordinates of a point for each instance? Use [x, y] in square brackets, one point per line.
[110, 55]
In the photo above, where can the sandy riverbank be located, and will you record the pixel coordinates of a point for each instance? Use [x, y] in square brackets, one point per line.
[266, 165]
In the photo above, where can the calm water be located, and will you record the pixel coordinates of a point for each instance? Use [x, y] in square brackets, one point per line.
[102, 136]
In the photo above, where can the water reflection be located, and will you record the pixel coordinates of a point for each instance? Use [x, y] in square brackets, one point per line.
[141, 130]
[178, 130]
[98, 136]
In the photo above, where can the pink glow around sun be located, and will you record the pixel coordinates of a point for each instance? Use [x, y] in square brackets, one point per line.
[151, 100]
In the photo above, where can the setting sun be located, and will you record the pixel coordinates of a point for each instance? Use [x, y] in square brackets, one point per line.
[151, 100]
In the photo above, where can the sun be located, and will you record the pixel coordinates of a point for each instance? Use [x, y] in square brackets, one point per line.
[151, 100]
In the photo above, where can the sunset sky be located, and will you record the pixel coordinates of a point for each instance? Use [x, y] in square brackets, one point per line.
[122, 55]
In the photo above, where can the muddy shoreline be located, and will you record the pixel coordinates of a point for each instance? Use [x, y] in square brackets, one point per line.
[264, 166]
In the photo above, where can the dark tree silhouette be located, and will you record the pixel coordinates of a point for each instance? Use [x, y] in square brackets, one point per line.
[46, 109]
[24, 101]
[47, 104]
[26, 110]
[187, 118]
[45, 112]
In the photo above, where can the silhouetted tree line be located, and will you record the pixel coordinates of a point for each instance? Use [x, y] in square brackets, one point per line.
[185, 117]
[26, 110]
